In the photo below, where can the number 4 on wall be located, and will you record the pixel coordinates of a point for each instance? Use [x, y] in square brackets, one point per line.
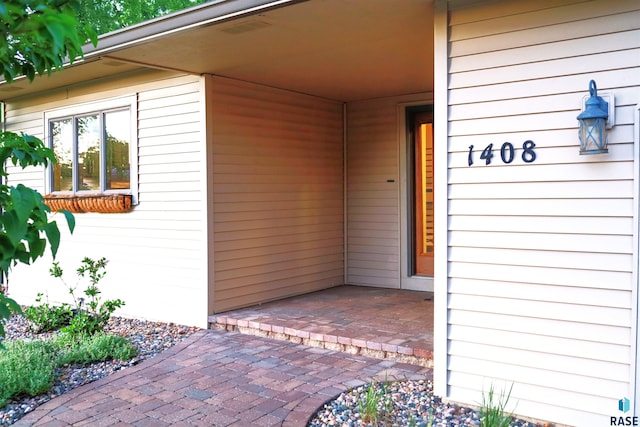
[507, 153]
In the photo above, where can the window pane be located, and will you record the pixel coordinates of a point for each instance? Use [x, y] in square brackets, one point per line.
[62, 141]
[88, 153]
[118, 133]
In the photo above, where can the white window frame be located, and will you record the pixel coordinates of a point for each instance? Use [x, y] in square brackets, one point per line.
[123, 102]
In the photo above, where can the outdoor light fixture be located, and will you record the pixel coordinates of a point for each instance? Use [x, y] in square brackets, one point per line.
[593, 121]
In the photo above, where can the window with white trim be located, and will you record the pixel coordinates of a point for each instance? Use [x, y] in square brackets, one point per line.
[95, 148]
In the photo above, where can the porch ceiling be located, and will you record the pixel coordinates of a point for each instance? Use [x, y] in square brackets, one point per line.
[338, 49]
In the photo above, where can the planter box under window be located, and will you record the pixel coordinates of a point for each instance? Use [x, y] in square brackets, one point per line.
[102, 203]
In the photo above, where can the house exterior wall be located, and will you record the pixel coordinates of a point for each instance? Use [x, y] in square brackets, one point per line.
[373, 231]
[157, 264]
[376, 141]
[277, 193]
[542, 259]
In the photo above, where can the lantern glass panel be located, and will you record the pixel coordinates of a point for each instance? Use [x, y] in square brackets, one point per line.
[593, 137]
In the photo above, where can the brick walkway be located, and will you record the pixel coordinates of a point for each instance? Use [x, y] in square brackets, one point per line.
[217, 378]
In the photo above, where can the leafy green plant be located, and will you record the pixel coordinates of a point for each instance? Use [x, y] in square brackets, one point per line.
[93, 348]
[7, 306]
[47, 317]
[91, 312]
[26, 367]
[493, 408]
[37, 37]
[24, 224]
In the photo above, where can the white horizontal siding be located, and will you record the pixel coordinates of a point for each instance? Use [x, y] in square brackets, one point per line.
[156, 264]
[541, 255]
[278, 193]
[373, 244]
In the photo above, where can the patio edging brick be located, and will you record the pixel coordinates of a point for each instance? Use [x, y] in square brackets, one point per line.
[354, 346]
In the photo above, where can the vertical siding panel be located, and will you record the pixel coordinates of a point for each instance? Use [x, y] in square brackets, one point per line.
[278, 193]
[373, 245]
[519, 72]
[155, 264]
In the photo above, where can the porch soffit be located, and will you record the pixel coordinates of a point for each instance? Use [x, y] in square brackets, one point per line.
[344, 50]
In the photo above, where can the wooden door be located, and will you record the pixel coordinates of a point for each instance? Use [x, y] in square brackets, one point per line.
[424, 224]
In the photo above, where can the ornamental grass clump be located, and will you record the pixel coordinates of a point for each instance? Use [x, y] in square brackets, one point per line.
[376, 404]
[493, 408]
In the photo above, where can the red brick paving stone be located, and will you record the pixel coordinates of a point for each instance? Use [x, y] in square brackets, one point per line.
[296, 419]
[102, 422]
[129, 415]
[390, 347]
[268, 421]
[177, 416]
[374, 345]
[187, 403]
[424, 353]
[405, 350]
[265, 327]
[150, 422]
[344, 340]
[70, 417]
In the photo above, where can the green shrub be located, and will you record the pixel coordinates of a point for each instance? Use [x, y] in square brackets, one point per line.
[26, 367]
[91, 314]
[93, 348]
[48, 317]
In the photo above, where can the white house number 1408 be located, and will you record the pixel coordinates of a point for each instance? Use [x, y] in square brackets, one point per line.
[507, 153]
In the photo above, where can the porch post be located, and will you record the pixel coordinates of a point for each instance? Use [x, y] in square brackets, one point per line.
[441, 142]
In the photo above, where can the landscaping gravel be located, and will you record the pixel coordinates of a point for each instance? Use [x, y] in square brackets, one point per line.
[402, 403]
[150, 338]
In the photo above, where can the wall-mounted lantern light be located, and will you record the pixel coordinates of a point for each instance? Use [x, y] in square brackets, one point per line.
[593, 121]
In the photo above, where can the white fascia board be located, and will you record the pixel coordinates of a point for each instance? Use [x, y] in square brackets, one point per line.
[195, 17]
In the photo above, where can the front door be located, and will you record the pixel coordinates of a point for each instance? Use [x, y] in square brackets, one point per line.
[423, 247]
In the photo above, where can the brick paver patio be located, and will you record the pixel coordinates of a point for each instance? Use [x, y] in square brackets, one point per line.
[227, 378]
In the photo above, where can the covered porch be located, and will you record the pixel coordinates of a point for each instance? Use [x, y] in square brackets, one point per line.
[385, 323]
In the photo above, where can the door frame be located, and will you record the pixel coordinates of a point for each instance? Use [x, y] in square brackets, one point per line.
[407, 280]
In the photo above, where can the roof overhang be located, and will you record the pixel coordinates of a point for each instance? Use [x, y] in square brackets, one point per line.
[338, 49]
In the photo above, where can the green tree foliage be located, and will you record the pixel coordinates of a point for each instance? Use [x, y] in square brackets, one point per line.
[113, 15]
[38, 36]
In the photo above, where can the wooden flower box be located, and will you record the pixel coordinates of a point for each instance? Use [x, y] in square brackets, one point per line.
[102, 203]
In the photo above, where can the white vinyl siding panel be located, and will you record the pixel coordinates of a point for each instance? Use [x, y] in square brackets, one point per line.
[541, 258]
[373, 245]
[278, 193]
[156, 264]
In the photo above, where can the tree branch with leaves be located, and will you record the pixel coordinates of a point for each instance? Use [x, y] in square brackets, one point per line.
[38, 37]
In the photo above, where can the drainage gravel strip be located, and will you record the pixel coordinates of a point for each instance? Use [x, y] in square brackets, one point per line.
[403, 403]
[399, 404]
